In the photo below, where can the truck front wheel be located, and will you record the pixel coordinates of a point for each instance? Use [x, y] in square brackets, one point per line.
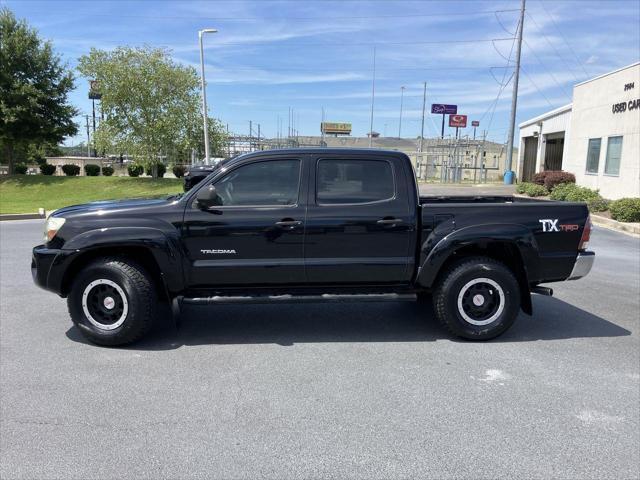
[478, 298]
[112, 301]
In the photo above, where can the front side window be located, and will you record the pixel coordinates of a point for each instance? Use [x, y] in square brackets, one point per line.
[614, 153]
[593, 155]
[273, 182]
[354, 181]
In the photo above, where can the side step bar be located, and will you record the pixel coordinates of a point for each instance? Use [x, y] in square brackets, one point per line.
[327, 297]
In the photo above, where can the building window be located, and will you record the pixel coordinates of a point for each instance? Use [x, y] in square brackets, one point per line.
[593, 155]
[614, 152]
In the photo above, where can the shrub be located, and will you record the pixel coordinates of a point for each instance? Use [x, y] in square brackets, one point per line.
[161, 169]
[135, 169]
[539, 177]
[598, 204]
[179, 170]
[38, 158]
[20, 168]
[92, 170]
[47, 169]
[107, 171]
[570, 192]
[534, 190]
[554, 178]
[71, 170]
[625, 209]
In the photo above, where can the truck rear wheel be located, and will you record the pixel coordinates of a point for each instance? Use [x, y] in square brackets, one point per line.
[112, 301]
[478, 298]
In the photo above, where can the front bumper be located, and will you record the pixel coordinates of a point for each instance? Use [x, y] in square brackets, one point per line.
[584, 262]
[48, 266]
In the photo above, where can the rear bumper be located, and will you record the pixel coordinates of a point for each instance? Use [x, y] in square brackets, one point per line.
[584, 262]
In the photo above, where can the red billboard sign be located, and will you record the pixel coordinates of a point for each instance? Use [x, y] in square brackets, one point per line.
[458, 121]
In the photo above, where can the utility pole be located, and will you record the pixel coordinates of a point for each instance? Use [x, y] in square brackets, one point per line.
[204, 94]
[88, 137]
[373, 96]
[401, 101]
[508, 177]
[424, 104]
[322, 126]
[250, 137]
[259, 137]
[289, 130]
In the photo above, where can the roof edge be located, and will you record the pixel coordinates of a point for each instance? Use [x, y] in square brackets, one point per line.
[607, 74]
[549, 114]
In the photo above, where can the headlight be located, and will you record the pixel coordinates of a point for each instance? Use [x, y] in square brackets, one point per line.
[51, 227]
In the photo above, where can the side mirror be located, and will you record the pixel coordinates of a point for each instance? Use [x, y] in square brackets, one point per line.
[208, 197]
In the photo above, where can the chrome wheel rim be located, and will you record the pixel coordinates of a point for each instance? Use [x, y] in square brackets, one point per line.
[104, 303]
[481, 301]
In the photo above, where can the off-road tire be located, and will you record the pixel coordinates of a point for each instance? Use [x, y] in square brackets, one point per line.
[451, 313]
[140, 300]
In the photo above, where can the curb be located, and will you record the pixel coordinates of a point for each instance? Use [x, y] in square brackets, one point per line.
[20, 216]
[629, 228]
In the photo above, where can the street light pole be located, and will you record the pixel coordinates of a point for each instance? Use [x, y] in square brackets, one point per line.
[400, 124]
[373, 96]
[204, 94]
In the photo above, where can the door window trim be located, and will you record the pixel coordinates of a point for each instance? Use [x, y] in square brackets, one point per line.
[236, 167]
[374, 202]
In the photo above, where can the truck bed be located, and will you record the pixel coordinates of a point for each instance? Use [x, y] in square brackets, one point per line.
[438, 199]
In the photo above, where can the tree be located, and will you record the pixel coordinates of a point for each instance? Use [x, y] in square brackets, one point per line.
[151, 104]
[34, 85]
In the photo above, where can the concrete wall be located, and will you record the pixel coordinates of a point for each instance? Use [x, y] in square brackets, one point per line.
[593, 117]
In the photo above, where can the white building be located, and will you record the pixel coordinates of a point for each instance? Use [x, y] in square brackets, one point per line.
[597, 137]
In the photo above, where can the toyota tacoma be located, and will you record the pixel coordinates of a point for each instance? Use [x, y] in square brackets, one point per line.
[314, 224]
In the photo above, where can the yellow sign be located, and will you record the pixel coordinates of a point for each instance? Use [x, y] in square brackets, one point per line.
[337, 128]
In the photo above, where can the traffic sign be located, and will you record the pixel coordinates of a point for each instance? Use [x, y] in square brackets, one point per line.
[475, 123]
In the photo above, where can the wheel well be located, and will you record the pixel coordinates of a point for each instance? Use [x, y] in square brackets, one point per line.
[503, 252]
[139, 255]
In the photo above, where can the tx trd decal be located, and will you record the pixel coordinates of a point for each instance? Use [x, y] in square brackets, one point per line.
[551, 225]
[207, 251]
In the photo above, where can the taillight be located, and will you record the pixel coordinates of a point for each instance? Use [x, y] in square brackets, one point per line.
[586, 234]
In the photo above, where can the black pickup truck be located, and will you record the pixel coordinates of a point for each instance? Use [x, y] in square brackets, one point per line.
[309, 225]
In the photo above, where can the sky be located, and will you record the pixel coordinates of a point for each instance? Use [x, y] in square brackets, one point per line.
[269, 56]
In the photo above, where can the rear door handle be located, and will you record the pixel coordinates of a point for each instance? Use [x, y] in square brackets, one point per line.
[289, 223]
[389, 221]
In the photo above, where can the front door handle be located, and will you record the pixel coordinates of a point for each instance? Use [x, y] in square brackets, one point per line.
[289, 223]
[389, 221]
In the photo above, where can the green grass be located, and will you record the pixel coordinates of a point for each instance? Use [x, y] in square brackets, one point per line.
[27, 193]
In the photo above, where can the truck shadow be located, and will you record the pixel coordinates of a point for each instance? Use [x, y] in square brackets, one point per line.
[288, 324]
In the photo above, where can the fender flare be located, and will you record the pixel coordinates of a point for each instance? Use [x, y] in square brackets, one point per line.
[164, 248]
[516, 235]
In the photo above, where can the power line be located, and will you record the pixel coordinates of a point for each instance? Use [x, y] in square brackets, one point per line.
[341, 17]
[536, 87]
[548, 71]
[564, 39]
[552, 46]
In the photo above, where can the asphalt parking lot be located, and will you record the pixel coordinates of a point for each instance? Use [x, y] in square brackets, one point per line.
[370, 390]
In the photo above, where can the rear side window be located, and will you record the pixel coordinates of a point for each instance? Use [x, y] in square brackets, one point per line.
[354, 181]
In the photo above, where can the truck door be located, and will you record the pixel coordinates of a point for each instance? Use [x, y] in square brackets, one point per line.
[359, 221]
[253, 232]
